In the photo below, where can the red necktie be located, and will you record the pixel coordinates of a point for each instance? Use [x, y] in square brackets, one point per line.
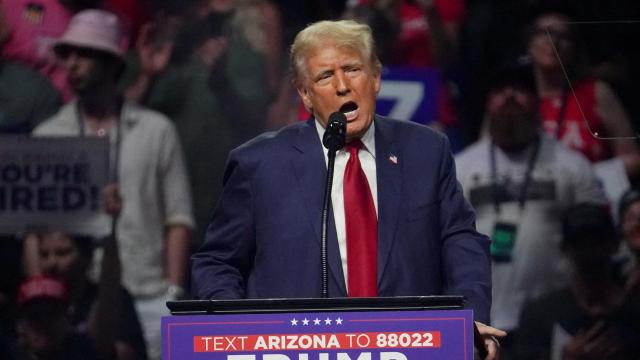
[362, 227]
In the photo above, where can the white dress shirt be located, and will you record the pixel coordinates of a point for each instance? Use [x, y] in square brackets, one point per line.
[367, 156]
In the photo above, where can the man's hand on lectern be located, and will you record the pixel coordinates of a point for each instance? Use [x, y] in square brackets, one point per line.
[490, 337]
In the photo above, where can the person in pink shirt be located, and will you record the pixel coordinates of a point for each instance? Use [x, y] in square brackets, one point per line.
[32, 27]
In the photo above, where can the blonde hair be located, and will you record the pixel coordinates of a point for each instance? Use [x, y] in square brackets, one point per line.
[341, 33]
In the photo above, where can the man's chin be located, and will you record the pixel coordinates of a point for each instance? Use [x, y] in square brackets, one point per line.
[356, 129]
[354, 134]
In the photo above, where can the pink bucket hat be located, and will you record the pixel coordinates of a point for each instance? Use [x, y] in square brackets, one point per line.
[94, 29]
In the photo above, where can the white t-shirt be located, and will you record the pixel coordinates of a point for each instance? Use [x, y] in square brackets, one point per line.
[560, 178]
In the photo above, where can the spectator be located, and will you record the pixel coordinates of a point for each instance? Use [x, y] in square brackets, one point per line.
[133, 14]
[44, 328]
[217, 86]
[32, 28]
[155, 220]
[518, 182]
[629, 217]
[428, 30]
[385, 28]
[491, 34]
[576, 108]
[590, 318]
[255, 48]
[26, 98]
[104, 311]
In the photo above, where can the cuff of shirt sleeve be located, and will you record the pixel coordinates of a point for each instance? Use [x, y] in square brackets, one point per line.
[184, 220]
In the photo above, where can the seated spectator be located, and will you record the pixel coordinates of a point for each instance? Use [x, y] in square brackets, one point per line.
[590, 318]
[44, 327]
[576, 108]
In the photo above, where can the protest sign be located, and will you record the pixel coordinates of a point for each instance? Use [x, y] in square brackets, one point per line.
[52, 183]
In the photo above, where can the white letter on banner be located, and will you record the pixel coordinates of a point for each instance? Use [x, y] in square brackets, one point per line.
[362, 356]
[407, 95]
[392, 356]
[275, 357]
[260, 344]
[241, 357]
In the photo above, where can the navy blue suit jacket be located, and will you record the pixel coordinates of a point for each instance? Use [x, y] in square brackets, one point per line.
[264, 237]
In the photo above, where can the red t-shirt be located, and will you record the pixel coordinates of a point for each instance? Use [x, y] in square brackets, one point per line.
[414, 48]
[574, 126]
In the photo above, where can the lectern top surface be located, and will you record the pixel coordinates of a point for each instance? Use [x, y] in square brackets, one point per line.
[191, 307]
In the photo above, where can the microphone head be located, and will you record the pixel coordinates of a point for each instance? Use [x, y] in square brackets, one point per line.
[335, 132]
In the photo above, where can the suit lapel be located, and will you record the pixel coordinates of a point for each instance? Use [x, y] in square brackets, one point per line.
[389, 176]
[310, 168]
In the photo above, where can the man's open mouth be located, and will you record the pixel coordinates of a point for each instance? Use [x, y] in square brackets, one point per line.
[350, 110]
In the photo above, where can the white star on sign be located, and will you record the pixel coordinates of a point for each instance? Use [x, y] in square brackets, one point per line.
[338, 321]
[305, 322]
[327, 321]
[316, 321]
[294, 322]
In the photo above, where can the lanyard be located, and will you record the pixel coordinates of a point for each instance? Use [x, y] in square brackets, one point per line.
[522, 198]
[114, 142]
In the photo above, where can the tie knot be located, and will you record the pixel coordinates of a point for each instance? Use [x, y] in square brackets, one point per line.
[354, 146]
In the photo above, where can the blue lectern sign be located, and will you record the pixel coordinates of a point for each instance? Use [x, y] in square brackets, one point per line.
[378, 335]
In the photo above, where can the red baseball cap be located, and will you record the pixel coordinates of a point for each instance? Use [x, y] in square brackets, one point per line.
[42, 287]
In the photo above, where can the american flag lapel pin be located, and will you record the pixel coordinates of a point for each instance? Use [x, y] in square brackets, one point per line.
[394, 159]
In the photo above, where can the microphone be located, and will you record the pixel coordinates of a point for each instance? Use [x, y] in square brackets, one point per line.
[333, 139]
[334, 134]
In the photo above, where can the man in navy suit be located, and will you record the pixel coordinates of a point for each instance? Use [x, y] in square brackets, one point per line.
[264, 237]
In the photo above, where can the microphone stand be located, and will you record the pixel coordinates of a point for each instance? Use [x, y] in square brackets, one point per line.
[333, 140]
[324, 293]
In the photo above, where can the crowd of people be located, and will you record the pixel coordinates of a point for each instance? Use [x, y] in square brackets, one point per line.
[174, 86]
